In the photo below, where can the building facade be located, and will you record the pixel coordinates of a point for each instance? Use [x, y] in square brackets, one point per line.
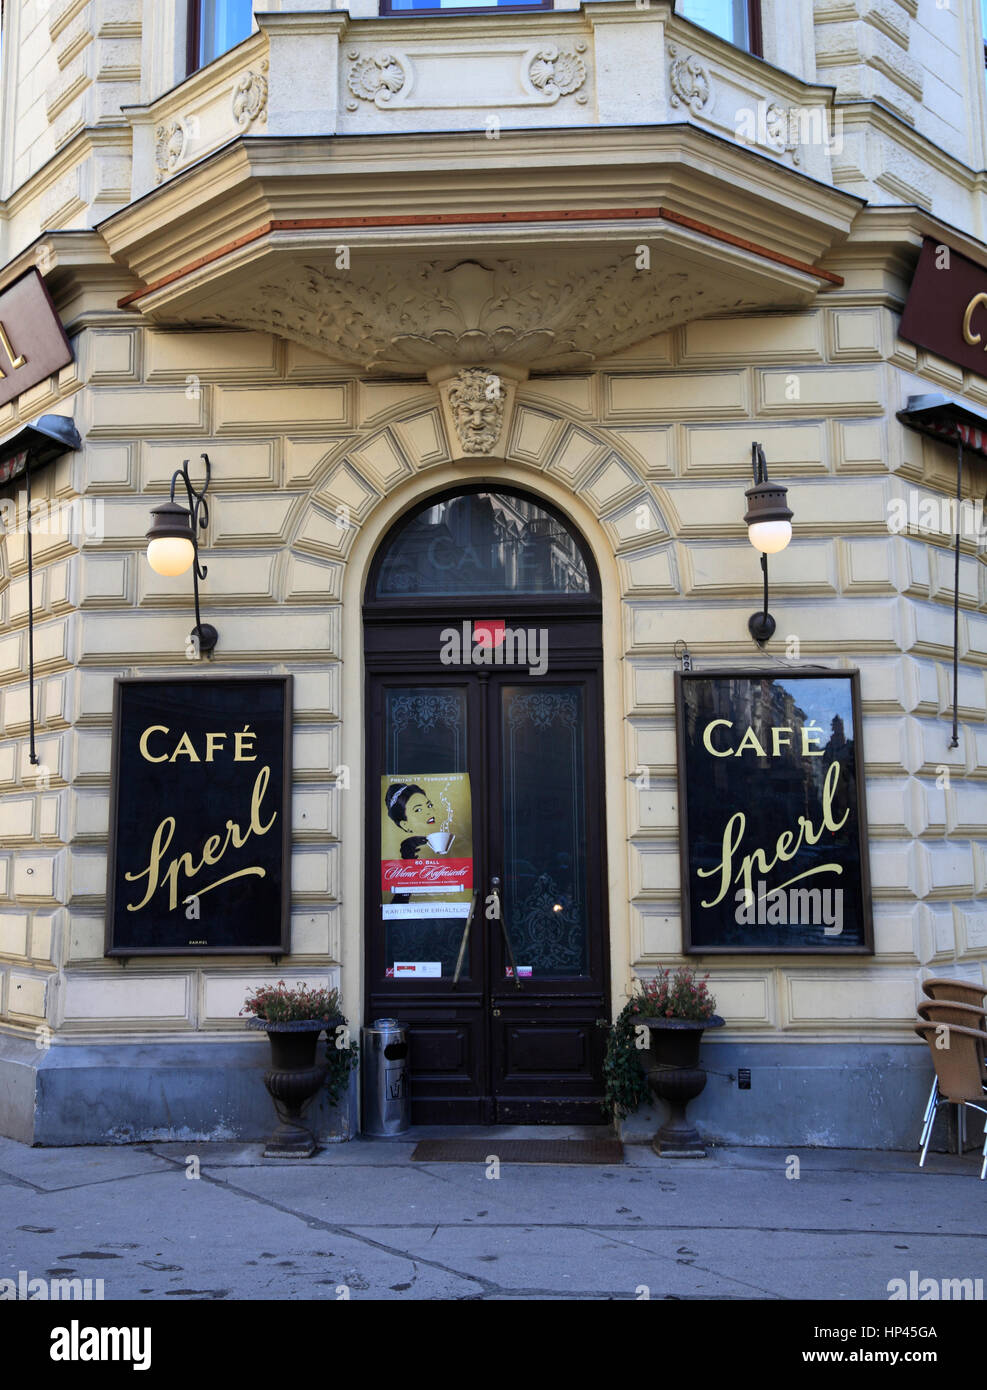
[476, 314]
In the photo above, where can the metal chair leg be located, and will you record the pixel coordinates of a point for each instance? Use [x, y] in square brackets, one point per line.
[925, 1146]
[930, 1111]
[982, 1112]
[929, 1105]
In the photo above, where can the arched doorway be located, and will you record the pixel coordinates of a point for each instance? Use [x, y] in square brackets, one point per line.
[486, 906]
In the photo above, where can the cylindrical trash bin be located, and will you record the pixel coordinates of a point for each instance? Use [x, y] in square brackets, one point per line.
[384, 1067]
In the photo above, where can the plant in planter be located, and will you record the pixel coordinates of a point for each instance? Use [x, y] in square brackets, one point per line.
[342, 1056]
[675, 1010]
[293, 1018]
[625, 1081]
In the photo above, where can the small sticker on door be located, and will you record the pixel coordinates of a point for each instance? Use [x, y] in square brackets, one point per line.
[523, 972]
[430, 969]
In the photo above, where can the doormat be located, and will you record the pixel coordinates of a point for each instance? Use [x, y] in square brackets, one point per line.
[519, 1151]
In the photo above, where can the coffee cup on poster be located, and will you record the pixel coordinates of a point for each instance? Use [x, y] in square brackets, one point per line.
[441, 841]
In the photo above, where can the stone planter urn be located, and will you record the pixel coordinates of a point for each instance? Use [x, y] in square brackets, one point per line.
[675, 1075]
[292, 1081]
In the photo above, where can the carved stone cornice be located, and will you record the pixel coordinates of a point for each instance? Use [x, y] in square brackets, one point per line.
[404, 255]
[541, 311]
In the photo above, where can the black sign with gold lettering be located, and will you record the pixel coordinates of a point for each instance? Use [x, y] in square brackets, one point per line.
[200, 825]
[33, 344]
[946, 310]
[772, 824]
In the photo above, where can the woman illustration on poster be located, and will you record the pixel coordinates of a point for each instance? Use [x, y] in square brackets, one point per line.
[411, 811]
[408, 807]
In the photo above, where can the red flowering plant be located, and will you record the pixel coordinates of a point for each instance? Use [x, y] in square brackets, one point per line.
[678, 996]
[280, 1004]
[674, 996]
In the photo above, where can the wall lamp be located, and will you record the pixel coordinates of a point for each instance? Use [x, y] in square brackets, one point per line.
[29, 449]
[769, 529]
[173, 546]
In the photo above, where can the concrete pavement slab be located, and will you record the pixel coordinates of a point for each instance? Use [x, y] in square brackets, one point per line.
[168, 1237]
[54, 1168]
[363, 1221]
[625, 1196]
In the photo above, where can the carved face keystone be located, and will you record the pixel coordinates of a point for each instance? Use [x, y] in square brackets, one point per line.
[476, 415]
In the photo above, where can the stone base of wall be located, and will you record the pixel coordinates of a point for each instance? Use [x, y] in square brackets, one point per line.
[825, 1095]
[816, 1095]
[132, 1093]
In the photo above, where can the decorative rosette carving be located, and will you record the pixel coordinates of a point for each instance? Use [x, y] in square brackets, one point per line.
[557, 72]
[250, 97]
[169, 146]
[782, 131]
[376, 77]
[689, 81]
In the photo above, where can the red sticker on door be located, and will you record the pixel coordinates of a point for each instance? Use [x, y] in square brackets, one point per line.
[489, 632]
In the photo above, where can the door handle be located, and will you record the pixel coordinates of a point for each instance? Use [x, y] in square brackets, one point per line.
[466, 937]
[495, 886]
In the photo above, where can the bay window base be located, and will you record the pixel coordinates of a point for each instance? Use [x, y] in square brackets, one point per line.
[806, 1095]
[143, 1092]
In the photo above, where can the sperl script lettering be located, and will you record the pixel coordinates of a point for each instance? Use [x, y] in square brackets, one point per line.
[787, 846]
[17, 359]
[213, 851]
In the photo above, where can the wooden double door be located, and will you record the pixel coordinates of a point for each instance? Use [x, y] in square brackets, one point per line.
[486, 913]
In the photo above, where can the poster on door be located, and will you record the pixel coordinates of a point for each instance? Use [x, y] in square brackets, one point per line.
[426, 845]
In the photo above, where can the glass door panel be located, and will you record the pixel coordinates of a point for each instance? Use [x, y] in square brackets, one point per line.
[426, 832]
[544, 816]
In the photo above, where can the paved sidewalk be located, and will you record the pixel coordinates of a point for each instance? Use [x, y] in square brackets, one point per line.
[362, 1218]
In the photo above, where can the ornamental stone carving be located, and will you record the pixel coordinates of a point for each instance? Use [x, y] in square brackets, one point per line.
[169, 146]
[250, 97]
[476, 399]
[557, 73]
[376, 77]
[409, 316]
[782, 130]
[689, 81]
[478, 406]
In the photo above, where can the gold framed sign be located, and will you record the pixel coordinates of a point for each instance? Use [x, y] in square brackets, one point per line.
[772, 824]
[200, 820]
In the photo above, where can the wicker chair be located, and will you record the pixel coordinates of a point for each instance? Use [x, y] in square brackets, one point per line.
[944, 988]
[959, 1078]
[960, 991]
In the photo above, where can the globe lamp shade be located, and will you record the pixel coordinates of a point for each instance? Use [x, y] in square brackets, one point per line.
[171, 542]
[768, 518]
[770, 537]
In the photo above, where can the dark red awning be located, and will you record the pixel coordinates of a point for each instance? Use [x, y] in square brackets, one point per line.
[944, 419]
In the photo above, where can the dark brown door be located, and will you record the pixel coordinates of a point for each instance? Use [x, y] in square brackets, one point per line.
[502, 979]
